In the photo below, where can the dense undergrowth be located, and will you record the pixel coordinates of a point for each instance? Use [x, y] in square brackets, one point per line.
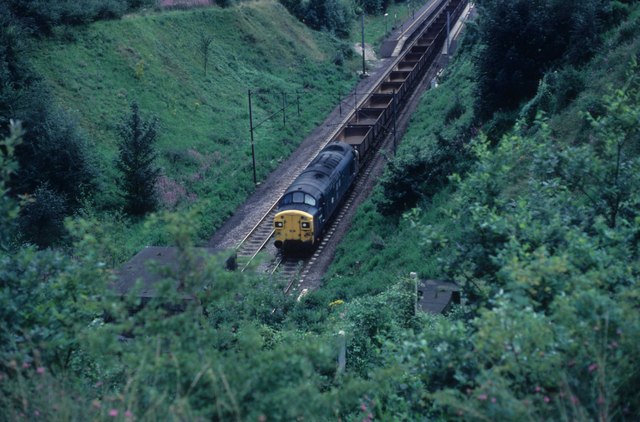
[539, 226]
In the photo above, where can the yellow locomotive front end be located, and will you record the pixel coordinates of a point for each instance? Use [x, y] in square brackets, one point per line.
[294, 230]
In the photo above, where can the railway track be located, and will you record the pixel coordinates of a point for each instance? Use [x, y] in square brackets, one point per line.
[295, 279]
[291, 271]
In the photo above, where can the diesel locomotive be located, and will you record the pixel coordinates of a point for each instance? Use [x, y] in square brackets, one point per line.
[306, 207]
[310, 201]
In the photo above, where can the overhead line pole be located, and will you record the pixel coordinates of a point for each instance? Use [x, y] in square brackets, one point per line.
[284, 109]
[395, 117]
[364, 69]
[253, 150]
[448, 32]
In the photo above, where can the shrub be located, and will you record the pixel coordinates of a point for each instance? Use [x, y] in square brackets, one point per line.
[43, 15]
[523, 39]
[419, 173]
[330, 15]
[42, 219]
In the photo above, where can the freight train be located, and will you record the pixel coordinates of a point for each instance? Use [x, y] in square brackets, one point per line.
[310, 202]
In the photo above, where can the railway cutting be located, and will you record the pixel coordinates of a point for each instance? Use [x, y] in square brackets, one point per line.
[370, 126]
[388, 96]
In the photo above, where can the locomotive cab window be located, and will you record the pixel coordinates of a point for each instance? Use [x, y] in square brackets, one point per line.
[309, 200]
[286, 200]
[298, 197]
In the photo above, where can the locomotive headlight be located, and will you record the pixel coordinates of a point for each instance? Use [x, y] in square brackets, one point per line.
[279, 224]
[305, 225]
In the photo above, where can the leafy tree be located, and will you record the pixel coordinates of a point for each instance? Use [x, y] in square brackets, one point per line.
[8, 166]
[136, 162]
[419, 173]
[53, 152]
[54, 149]
[615, 165]
[522, 39]
[331, 15]
[46, 298]
[42, 15]
[373, 7]
[552, 282]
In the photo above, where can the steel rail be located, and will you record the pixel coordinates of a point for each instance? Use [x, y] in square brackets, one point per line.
[262, 245]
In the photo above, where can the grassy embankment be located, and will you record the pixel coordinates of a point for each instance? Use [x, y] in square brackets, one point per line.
[376, 26]
[400, 247]
[203, 147]
[541, 232]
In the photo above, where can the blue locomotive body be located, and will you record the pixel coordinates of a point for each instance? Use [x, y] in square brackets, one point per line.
[311, 200]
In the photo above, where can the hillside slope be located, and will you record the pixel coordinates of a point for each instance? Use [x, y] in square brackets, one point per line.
[540, 228]
[156, 60]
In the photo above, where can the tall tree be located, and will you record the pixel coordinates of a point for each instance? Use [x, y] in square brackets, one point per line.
[136, 162]
[522, 39]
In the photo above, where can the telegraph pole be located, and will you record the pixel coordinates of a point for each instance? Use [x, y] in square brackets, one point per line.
[394, 121]
[284, 109]
[253, 150]
[448, 32]
[364, 69]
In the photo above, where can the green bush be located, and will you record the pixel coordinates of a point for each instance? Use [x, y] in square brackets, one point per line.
[53, 149]
[42, 219]
[334, 16]
[420, 173]
[523, 39]
[42, 16]
[548, 274]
